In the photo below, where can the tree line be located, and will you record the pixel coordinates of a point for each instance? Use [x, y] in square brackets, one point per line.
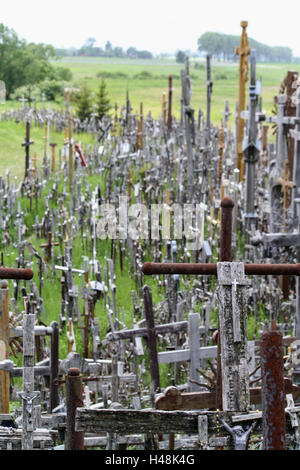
[90, 50]
[25, 64]
[222, 47]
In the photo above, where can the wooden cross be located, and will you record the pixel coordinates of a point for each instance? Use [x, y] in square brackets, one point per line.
[170, 104]
[27, 142]
[163, 107]
[139, 136]
[48, 246]
[53, 145]
[221, 150]
[286, 187]
[7, 273]
[210, 268]
[243, 51]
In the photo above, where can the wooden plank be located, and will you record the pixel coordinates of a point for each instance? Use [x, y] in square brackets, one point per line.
[129, 421]
[281, 239]
[145, 421]
[194, 347]
[184, 354]
[173, 399]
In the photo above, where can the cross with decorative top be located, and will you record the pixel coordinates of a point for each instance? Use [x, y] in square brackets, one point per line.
[243, 51]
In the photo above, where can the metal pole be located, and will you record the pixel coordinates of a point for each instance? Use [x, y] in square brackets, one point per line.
[273, 395]
[74, 399]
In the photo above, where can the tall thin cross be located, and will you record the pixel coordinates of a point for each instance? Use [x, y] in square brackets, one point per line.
[286, 187]
[209, 85]
[170, 104]
[53, 145]
[243, 51]
[27, 142]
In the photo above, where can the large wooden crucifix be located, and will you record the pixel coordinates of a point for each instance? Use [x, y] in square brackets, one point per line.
[243, 51]
[7, 273]
[216, 269]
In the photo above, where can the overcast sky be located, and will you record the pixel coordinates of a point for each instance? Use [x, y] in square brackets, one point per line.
[154, 25]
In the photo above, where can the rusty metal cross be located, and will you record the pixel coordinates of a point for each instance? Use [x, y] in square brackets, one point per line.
[211, 269]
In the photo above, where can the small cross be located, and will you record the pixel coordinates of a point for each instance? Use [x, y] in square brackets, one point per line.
[48, 246]
[286, 187]
[53, 145]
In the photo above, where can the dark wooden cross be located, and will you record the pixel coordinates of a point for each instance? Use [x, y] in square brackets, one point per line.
[53, 145]
[7, 273]
[27, 142]
[48, 246]
[169, 122]
[211, 268]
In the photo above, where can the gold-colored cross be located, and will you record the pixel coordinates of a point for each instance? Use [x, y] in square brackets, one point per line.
[243, 51]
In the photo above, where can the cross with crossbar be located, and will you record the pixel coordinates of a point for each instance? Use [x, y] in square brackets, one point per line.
[210, 268]
[27, 142]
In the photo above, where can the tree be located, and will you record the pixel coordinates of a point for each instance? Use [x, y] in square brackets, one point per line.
[103, 102]
[108, 49]
[22, 63]
[180, 57]
[83, 102]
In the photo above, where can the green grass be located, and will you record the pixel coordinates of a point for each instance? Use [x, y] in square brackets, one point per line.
[149, 90]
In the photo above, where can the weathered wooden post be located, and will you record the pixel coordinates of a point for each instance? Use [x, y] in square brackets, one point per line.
[188, 114]
[273, 395]
[233, 332]
[151, 339]
[295, 133]
[251, 150]
[53, 145]
[7, 273]
[243, 51]
[54, 351]
[209, 86]
[74, 439]
[28, 393]
[169, 122]
[4, 351]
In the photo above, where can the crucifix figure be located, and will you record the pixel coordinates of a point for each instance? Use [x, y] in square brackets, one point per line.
[286, 188]
[240, 437]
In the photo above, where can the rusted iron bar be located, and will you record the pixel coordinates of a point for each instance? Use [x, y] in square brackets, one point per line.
[273, 391]
[74, 399]
[16, 273]
[211, 268]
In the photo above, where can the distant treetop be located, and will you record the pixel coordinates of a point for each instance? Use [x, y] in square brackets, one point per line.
[222, 46]
[90, 50]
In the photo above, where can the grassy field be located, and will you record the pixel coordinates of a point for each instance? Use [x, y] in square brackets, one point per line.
[145, 81]
[128, 74]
